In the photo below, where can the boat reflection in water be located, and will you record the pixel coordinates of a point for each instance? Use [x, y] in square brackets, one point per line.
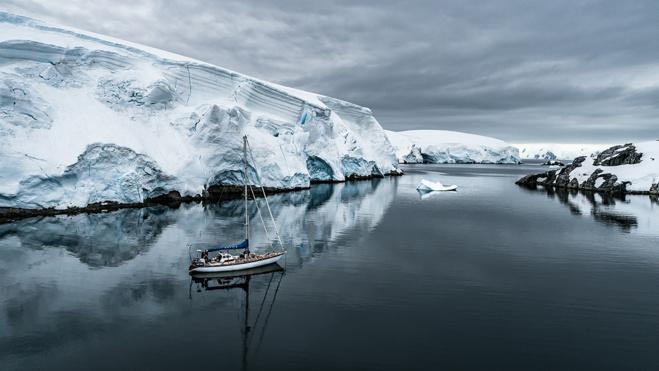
[241, 280]
[230, 279]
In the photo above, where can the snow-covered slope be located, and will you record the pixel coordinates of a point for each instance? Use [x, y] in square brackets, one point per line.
[441, 146]
[86, 118]
[629, 168]
[554, 151]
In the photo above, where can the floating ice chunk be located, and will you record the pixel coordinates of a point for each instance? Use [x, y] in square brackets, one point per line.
[427, 185]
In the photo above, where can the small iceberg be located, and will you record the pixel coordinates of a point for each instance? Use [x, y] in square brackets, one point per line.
[427, 185]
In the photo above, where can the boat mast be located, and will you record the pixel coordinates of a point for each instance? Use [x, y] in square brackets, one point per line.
[245, 181]
[247, 329]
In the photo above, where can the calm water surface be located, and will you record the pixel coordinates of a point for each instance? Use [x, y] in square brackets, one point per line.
[377, 276]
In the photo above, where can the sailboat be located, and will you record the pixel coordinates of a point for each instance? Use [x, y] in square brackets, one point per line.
[222, 261]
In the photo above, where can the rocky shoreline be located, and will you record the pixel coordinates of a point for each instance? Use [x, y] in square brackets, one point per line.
[602, 178]
[172, 199]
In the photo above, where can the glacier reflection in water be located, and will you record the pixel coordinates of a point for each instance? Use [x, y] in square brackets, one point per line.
[67, 279]
[490, 276]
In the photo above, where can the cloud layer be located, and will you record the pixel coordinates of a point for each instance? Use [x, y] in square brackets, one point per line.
[560, 71]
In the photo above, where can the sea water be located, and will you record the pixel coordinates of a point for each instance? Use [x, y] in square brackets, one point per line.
[376, 276]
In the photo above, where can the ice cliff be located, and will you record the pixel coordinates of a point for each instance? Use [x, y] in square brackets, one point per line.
[556, 151]
[86, 118]
[629, 168]
[450, 147]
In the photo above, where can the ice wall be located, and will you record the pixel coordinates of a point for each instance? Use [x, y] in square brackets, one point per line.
[557, 151]
[450, 147]
[167, 122]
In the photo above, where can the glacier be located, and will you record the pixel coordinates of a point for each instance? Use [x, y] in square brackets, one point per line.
[86, 118]
[559, 151]
[450, 147]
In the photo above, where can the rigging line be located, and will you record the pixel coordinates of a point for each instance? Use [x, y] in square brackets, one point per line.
[261, 216]
[203, 297]
[265, 323]
[266, 198]
[258, 315]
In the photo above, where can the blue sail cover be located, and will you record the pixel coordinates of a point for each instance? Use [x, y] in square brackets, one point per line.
[242, 245]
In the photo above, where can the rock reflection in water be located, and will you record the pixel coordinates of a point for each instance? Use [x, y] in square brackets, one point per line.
[629, 213]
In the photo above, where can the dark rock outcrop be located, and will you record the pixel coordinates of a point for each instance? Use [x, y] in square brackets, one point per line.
[599, 180]
[563, 178]
[589, 184]
[618, 155]
[553, 163]
[654, 190]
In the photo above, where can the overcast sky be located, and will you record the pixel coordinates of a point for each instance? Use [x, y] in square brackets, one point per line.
[518, 70]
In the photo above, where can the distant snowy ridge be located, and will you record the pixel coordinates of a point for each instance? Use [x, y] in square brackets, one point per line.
[85, 119]
[555, 151]
[629, 168]
[450, 147]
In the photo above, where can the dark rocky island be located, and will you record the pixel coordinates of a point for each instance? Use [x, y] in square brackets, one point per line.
[620, 169]
[553, 163]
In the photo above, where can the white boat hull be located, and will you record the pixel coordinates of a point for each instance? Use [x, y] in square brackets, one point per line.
[238, 264]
